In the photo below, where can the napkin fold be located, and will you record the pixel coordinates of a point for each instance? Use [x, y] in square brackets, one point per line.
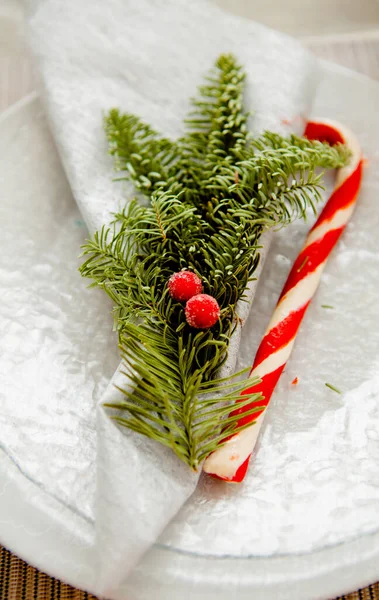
[146, 57]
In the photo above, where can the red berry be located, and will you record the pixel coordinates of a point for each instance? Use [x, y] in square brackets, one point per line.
[202, 311]
[183, 285]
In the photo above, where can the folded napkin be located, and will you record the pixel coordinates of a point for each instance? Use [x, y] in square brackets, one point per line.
[146, 57]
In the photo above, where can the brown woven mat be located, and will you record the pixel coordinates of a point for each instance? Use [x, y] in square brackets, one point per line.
[19, 581]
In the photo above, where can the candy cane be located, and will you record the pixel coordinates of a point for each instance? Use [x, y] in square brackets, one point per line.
[230, 461]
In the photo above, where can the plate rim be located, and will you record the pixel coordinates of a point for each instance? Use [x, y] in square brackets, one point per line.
[351, 553]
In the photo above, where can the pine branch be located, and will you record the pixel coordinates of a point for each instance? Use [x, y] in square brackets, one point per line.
[184, 414]
[310, 153]
[139, 151]
[217, 124]
[212, 194]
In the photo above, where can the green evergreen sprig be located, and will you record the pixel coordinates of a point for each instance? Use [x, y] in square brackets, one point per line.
[212, 193]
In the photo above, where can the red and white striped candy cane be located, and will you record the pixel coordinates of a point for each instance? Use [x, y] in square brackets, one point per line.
[230, 461]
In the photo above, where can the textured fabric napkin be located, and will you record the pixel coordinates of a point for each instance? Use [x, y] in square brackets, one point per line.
[146, 57]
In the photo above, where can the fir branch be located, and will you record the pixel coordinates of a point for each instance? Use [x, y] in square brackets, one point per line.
[212, 194]
[217, 124]
[184, 414]
[139, 151]
[309, 153]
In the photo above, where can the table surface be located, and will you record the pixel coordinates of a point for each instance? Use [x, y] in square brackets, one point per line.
[343, 31]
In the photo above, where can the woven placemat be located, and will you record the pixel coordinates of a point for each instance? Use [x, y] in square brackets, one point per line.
[20, 581]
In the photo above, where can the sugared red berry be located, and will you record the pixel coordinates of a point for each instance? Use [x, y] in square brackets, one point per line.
[202, 311]
[183, 285]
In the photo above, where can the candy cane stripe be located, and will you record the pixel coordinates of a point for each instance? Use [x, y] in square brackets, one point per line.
[338, 221]
[273, 361]
[301, 292]
[307, 278]
[343, 195]
[280, 333]
[230, 461]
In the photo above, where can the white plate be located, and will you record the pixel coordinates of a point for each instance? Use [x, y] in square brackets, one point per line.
[306, 524]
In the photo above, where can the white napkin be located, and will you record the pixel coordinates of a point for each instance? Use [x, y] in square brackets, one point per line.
[146, 57]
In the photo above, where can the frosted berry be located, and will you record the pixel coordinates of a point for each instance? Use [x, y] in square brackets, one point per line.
[202, 311]
[183, 285]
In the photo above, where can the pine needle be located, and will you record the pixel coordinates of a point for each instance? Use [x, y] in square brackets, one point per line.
[332, 387]
[303, 264]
